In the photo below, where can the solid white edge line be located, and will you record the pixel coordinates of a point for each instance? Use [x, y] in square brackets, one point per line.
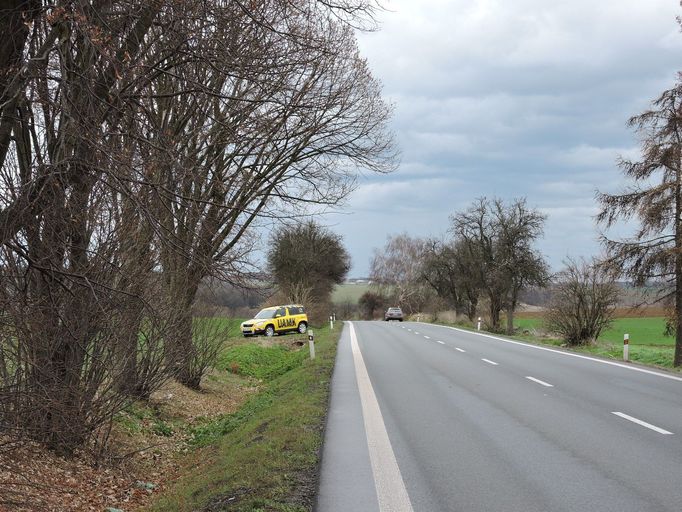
[643, 423]
[460, 349]
[569, 354]
[541, 382]
[390, 486]
[490, 362]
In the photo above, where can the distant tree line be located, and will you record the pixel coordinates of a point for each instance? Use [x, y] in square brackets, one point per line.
[489, 257]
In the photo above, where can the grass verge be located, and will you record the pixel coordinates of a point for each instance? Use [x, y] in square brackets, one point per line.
[263, 457]
[648, 346]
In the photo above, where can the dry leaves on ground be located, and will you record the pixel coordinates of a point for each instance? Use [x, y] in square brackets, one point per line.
[140, 465]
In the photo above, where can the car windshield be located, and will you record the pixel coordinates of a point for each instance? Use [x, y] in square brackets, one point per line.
[266, 313]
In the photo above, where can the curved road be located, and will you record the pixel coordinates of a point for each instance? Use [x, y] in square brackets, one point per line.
[430, 418]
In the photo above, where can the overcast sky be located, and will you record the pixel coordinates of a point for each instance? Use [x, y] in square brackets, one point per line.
[523, 98]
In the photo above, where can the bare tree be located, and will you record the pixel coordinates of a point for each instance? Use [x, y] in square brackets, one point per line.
[273, 123]
[583, 302]
[370, 302]
[654, 252]
[396, 271]
[498, 241]
[145, 136]
[448, 270]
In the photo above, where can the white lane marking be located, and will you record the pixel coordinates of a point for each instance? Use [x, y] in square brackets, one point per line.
[489, 362]
[643, 423]
[441, 342]
[541, 382]
[460, 349]
[427, 337]
[569, 354]
[416, 332]
[388, 480]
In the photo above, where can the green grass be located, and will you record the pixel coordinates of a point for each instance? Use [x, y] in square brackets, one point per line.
[643, 354]
[263, 457]
[642, 331]
[265, 363]
[648, 345]
[344, 293]
[231, 325]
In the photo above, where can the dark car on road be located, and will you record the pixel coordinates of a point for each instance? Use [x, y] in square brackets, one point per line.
[393, 314]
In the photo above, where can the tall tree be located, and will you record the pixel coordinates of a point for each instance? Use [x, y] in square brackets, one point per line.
[138, 136]
[498, 240]
[306, 261]
[449, 271]
[396, 270]
[262, 125]
[654, 252]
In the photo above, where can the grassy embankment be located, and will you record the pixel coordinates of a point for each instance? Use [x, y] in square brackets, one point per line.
[264, 456]
[648, 345]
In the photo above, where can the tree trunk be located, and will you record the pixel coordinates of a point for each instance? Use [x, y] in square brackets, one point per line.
[510, 320]
[494, 315]
[182, 350]
[129, 383]
[677, 360]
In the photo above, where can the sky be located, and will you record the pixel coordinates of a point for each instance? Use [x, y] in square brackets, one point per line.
[505, 99]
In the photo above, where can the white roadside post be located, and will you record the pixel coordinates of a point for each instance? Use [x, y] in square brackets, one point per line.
[478, 325]
[331, 322]
[626, 347]
[311, 344]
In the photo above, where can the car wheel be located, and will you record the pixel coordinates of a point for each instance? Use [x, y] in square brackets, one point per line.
[302, 327]
[269, 331]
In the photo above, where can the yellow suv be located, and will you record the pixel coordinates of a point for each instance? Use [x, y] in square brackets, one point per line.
[277, 319]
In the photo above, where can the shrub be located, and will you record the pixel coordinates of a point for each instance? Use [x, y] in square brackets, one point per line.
[583, 304]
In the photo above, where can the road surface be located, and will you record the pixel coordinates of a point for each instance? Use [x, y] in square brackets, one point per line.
[430, 418]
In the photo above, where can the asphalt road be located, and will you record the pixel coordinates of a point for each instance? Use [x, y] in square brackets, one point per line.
[428, 418]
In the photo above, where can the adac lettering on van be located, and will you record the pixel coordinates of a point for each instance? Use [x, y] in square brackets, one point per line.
[286, 322]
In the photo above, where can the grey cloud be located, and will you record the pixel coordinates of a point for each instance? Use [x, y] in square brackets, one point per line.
[524, 98]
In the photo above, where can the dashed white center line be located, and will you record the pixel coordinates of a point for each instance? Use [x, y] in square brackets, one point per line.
[643, 423]
[542, 383]
[460, 349]
[489, 362]
[441, 342]
[427, 337]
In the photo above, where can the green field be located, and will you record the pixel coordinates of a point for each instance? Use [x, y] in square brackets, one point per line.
[642, 331]
[648, 345]
[344, 293]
